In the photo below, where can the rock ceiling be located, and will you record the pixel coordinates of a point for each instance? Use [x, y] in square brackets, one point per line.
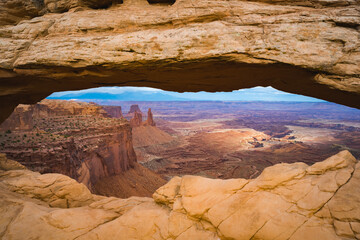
[305, 47]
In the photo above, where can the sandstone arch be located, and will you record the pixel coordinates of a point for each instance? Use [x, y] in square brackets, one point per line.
[310, 48]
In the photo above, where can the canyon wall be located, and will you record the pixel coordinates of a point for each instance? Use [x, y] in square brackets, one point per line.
[113, 111]
[72, 138]
[305, 47]
[101, 153]
[23, 115]
[287, 201]
[21, 119]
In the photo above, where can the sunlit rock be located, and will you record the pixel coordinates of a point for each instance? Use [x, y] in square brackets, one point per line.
[190, 207]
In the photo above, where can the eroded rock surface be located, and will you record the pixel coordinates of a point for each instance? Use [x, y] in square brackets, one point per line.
[23, 116]
[136, 121]
[287, 201]
[306, 47]
[150, 120]
[77, 139]
[113, 111]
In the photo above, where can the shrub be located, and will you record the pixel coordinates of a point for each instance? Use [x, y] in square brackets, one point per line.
[8, 131]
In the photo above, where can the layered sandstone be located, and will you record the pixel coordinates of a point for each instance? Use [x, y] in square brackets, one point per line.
[287, 201]
[85, 154]
[20, 119]
[113, 111]
[77, 139]
[23, 116]
[305, 47]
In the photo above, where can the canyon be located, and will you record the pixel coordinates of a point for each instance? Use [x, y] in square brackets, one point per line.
[219, 140]
[226, 140]
[254, 175]
[79, 140]
[204, 169]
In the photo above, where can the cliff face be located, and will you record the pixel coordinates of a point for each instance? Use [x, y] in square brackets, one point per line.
[287, 201]
[52, 108]
[23, 116]
[113, 111]
[108, 152]
[304, 47]
[20, 119]
[87, 156]
[72, 138]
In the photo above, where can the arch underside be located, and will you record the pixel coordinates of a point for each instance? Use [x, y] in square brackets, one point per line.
[295, 47]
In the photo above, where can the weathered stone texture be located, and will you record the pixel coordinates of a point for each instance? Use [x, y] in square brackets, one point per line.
[296, 204]
[306, 47]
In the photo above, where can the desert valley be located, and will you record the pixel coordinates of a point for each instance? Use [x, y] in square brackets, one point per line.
[132, 153]
[204, 169]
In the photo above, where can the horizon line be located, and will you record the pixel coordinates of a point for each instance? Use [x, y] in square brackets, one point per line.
[194, 100]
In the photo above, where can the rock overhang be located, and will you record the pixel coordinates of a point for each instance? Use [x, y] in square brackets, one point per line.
[310, 49]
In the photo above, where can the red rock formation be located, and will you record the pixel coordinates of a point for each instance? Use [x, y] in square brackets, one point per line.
[23, 115]
[73, 138]
[136, 121]
[113, 111]
[134, 108]
[89, 155]
[150, 121]
[20, 119]
[112, 155]
[50, 108]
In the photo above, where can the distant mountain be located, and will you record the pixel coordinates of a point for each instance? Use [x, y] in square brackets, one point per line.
[104, 94]
[125, 96]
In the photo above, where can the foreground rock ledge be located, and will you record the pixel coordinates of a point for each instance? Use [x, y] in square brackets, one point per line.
[287, 201]
[305, 47]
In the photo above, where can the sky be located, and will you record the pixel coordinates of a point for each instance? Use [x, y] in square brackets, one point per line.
[153, 94]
